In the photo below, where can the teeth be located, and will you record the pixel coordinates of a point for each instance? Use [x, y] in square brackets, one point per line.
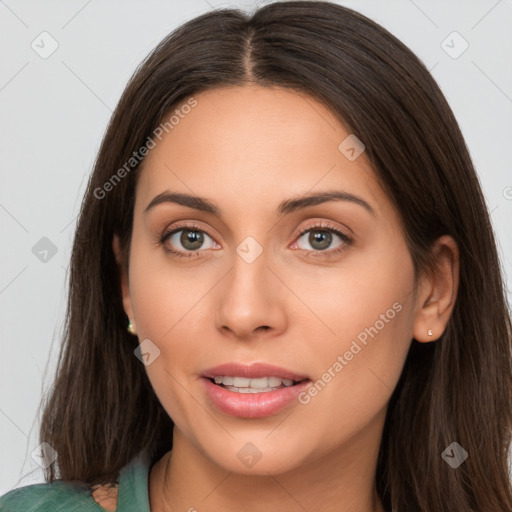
[262, 383]
[242, 382]
[249, 390]
[276, 381]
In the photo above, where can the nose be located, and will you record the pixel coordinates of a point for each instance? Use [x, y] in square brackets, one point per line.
[252, 300]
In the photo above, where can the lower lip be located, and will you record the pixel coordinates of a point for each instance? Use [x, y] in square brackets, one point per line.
[253, 405]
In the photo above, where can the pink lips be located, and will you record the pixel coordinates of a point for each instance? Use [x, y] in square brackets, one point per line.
[252, 371]
[252, 405]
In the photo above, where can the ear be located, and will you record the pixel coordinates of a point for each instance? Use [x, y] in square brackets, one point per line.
[438, 292]
[123, 274]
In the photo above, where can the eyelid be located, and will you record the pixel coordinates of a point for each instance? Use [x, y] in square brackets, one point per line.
[190, 225]
[320, 225]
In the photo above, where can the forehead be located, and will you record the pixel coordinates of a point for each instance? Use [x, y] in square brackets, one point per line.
[252, 146]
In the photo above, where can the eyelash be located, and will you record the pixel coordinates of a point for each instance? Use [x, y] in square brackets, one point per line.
[320, 226]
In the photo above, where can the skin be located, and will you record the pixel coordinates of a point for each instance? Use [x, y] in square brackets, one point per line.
[246, 149]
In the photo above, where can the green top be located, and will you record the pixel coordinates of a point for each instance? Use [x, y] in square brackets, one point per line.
[63, 496]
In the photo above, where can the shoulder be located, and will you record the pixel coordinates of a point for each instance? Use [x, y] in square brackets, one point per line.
[57, 496]
[130, 492]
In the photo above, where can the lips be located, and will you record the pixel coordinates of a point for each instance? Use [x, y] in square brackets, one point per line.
[252, 403]
[252, 371]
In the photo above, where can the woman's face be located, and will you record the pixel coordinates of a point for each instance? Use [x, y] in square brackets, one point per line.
[247, 287]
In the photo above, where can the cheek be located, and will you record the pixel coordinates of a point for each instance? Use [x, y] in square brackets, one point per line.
[164, 306]
[162, 292]
[369, 287]
[365, 317]
[171, 305]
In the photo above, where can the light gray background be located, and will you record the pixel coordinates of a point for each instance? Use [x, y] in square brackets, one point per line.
[53, 113]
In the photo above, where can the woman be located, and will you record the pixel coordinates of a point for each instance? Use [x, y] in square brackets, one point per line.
[284, 211]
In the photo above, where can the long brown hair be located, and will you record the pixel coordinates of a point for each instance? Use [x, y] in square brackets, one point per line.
[102, 410]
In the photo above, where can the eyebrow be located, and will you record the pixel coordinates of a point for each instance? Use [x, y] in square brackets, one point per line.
[285, 207]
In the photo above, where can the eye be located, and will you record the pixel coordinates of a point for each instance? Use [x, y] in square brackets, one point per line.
[320, 237]
[188, 239]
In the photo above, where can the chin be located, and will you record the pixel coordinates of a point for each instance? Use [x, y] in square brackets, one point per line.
[256, 458]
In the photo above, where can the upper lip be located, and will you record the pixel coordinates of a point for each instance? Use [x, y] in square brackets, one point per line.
[251, 371]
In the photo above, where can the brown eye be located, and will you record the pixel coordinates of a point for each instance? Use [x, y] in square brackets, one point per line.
[320, 240]
[191, 240]
[187, 241]
[186, 238]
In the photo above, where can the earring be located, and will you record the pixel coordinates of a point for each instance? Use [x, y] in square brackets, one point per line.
[131, 328]
[429, 332]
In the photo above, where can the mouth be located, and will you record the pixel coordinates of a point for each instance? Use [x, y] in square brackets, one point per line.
[255, 385]
[252, 391]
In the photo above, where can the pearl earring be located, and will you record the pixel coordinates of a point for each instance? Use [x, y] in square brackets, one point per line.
[429, 332]
[131, 328]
